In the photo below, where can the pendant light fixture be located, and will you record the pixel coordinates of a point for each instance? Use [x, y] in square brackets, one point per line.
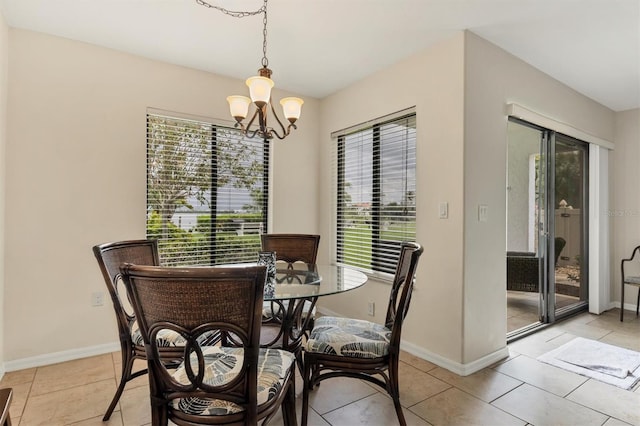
[260, 93]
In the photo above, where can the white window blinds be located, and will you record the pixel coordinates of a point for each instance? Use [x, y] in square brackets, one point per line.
[206, 191]
[376, 187]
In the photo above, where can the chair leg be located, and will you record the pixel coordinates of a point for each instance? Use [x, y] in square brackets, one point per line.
[622, 302]
[399, 413]
[127, 366]
[6, 395]
[159, 416]
[300, 361]
[306, 387]
[290, 405]
[394, 389]
[638, 302]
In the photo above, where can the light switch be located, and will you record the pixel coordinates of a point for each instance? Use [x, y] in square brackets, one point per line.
[483, 213]
[443, 210]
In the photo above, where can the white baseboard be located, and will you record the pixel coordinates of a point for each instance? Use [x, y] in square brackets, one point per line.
[56, 357]
[455, 367]
[627, 306]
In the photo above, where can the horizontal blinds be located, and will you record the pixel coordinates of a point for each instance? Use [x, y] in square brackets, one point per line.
[369, 124]
[376, 188]
[205, 191]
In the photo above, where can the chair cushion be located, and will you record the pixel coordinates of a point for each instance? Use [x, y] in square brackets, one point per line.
[632, 280]
[169, 338]
[222, 364]
[349, 337]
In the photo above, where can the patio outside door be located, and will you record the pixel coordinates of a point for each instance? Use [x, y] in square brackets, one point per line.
[567, 245]
[546, 227]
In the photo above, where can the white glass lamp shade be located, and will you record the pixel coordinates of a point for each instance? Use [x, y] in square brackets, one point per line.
[238, 106]
[291, 108]
[260, 90]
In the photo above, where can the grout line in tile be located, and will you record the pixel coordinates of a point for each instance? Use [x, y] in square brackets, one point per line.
[507, 392]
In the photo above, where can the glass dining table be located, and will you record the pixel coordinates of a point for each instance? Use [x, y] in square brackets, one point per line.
[293, 297]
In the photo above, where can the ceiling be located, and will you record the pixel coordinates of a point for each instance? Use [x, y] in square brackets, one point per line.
[317, 47]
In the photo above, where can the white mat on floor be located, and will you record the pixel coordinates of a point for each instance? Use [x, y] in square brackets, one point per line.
[606, 363]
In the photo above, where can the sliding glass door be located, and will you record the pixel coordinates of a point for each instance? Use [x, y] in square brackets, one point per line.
[570, 220]
[546, 226]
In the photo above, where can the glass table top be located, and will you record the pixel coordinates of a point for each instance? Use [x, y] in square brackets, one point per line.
[316, 280]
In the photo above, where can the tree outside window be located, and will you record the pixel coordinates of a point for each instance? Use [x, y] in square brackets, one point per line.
[206, 191]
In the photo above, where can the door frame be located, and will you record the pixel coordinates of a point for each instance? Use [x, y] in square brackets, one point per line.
[548, 314]
[599, 213]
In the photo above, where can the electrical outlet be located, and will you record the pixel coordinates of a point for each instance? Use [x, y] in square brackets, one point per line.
[371, 308]
[97, 298]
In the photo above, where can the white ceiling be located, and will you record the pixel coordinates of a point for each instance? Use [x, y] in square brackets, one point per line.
[316, 47]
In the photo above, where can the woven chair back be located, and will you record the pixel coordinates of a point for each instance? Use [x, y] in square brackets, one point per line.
[401, 289]
[194, 301]
[291, 248]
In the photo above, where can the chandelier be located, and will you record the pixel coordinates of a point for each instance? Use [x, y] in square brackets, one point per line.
[260, 92]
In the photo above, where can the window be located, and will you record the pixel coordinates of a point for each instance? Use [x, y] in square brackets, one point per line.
[376, 187]
[207, 191]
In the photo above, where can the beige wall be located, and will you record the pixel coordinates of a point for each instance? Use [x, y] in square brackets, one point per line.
[625, 205]
[4, 40]
[76, 153]
[494, 78]
[461, 88]
[433, 82]
[76, 177]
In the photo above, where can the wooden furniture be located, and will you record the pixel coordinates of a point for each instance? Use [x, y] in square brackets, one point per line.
[362, 349]
[294, 250]
[6, 395]
[294, 289]
[633, 280]
[110, 256]
[214, 384]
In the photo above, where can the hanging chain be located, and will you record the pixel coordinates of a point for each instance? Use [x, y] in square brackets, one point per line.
[265, 61]
[235, 14]
[240, 14]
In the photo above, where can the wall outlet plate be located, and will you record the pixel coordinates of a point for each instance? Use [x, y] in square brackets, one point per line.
[371, 308]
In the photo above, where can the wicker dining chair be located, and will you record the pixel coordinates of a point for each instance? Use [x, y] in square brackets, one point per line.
[237, 384]
[362, 349]
[110, 257]
[291, 249]
[6, 395]
[296, 251]
[632, 280]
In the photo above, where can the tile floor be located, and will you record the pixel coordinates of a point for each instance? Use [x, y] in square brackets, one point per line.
[522, 308]
[518, 390]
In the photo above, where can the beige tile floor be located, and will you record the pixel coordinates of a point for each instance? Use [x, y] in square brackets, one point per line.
[516, 391]
[522, 308]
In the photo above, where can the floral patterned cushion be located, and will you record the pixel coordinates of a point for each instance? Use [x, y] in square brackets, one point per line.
[349, 337]
[168, 338]
[222, 365]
